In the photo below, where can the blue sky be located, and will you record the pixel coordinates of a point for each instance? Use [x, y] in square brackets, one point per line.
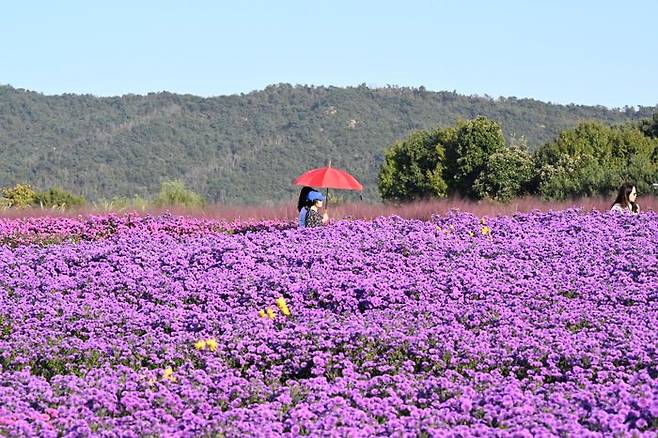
[584, 52]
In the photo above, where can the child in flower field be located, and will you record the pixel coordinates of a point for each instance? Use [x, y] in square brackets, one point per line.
[313, 216]
[625, 201]
[303, 204]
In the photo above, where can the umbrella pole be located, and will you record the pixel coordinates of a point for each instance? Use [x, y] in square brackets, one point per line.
[326, 205]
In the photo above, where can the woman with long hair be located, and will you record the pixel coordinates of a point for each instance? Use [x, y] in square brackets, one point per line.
[313, 216]
[625, 201]
[302, 204]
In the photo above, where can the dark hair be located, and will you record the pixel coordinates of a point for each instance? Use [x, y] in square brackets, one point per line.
[623, 196]
[303, 201]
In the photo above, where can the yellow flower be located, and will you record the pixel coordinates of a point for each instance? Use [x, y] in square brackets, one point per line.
[261, 313]
[283, 306]
[168, 374]
[485, 230]
[200, 345]
[212, 344]
[470, 233]
[270, 313]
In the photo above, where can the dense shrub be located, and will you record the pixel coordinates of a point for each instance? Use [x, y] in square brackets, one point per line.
[413, 168]
[506, 175]
[57, 197]
[21, 195]
[470, 160]
[175, 194]
[595, 159]
[473, 160]
[467, 157]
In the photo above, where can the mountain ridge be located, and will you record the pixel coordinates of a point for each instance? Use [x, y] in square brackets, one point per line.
[244, 148]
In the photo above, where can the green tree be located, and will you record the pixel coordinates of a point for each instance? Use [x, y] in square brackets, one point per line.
[175, 194]
[413, 167]
[595, 159]
[650, 126]
[475, 141]
[506, 175]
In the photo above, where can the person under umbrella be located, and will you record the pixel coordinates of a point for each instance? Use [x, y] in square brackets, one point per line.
[313, 217]
[329, 178]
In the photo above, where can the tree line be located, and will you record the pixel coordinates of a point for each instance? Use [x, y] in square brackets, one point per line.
[172, 194]
[473, 159]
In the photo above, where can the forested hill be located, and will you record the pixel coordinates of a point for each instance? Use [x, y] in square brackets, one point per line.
[242, 148]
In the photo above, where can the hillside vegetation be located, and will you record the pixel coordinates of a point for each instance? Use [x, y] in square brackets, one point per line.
[243, 148]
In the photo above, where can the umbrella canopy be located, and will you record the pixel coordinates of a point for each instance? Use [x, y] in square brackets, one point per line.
[328, 178]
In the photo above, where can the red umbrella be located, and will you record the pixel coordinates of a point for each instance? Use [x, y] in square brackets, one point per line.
[328, 178]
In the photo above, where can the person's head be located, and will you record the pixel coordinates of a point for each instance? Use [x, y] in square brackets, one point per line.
[627, 195]
[315, 198]
[303, 197]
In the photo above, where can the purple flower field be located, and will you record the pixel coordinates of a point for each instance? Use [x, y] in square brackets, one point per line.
[538, 324]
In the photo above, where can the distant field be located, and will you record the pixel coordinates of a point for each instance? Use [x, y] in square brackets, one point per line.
[536, 324]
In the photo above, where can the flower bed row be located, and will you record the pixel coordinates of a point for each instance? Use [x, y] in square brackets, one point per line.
[538, 324]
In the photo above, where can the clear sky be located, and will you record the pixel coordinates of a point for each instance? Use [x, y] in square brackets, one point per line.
[586, 52]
